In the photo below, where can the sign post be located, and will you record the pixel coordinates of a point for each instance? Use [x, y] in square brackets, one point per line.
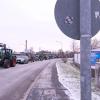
[80, 20]
[85, 44]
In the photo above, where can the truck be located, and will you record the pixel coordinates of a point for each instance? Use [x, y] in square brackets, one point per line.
[7, 59]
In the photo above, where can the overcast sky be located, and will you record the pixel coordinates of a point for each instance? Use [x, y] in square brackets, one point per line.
[31, 20]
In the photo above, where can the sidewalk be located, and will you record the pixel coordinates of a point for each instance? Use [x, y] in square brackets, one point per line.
[69, 76]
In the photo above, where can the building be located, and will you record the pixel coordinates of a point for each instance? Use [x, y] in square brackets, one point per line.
[95, 56]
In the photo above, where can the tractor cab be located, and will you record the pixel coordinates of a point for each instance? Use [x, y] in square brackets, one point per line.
[7, 59]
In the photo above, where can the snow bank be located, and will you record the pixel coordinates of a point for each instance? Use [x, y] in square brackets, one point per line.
[69, 77]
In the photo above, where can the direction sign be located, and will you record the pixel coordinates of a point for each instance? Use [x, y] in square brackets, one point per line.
[67, 15]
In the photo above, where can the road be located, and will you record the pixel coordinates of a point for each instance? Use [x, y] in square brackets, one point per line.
[33, 81]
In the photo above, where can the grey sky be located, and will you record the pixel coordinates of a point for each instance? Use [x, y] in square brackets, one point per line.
[31, 20]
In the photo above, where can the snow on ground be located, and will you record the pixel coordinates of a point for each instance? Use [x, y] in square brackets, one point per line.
[69, 77]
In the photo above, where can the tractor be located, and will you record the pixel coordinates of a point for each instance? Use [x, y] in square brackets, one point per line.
[7, 59]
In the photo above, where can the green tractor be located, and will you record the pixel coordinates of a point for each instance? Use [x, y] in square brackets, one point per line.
[7, 59]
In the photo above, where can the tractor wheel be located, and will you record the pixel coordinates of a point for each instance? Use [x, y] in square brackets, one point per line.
[6, 63]
[13, 63]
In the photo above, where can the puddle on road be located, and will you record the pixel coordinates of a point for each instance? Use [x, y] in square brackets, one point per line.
[46, 94]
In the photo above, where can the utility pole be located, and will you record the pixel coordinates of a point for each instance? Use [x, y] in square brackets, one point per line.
[85, 44]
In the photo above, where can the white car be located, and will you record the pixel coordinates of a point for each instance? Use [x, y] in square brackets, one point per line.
[22, 59]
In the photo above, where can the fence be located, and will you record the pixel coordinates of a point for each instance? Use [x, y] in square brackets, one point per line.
[97, 74]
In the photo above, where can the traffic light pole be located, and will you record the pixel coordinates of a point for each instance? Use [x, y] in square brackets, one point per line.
[85, 44]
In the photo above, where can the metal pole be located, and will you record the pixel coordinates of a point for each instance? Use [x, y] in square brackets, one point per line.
[26, 45]
[85, 44]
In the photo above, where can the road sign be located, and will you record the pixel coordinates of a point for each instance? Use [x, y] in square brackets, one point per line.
[67, 15]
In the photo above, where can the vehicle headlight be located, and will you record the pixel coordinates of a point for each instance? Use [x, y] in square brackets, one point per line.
[22, 59]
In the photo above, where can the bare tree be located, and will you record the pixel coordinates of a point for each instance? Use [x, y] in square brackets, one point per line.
[75, 46]
[95, 43]
[31, 50]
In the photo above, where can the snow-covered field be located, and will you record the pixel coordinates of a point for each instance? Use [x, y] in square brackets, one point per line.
[69, 77]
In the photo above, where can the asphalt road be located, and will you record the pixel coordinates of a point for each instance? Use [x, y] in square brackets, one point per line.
[33, 81]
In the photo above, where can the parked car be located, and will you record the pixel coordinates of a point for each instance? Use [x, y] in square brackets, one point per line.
[22, 59]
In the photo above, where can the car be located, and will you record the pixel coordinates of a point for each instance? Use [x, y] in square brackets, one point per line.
[22, 59]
